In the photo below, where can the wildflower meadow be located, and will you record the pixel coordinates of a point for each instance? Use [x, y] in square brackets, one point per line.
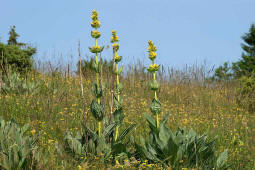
[110, 115]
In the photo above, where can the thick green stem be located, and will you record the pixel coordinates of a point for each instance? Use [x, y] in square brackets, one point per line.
[157, 117]
[117, 133]
[118, 81]
[155, 95]
[118, 96]
[154, 77]
[99, 129]
[98, 85]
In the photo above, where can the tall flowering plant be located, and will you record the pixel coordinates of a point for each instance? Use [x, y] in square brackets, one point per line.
[153, 68]
[118, 113]
[96, 106]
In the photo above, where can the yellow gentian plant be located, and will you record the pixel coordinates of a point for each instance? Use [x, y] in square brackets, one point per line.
[118, 113]
[96, 106]
[155, 105]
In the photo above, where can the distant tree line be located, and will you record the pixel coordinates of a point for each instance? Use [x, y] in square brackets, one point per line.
[16, 55]
[245, 66]
[243, 72]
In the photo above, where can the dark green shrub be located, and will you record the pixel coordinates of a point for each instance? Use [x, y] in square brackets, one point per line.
[246, 93]
[223, 73]
[246, 65]
[15, 54]
[17, 57]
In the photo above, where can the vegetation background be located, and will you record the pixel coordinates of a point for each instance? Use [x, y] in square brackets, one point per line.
[49, 98]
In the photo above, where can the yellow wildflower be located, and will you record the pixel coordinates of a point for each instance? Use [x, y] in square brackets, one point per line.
[79, 167]
[117, 58]
[33, 131]
[151, 47]
[95, 34]
[152, 55]
[94, 15]
[114, 37]
[115, 46]
[96, 49]
[95, 24]
[153, 67]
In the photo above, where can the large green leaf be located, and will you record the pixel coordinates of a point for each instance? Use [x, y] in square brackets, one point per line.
[165, 118]
[222, 159]
[118, 103]
[98, 92]
[125, 132]
[118, 115]
[109, 129]
[118, 148]
[164, 133]
[151, 121]
[91, 147]
[16, 149]
[89, 132]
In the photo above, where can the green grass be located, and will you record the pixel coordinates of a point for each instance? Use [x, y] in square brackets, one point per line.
[205, 106]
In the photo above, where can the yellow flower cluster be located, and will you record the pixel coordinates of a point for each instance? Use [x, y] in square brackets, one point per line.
[95, 22]
[153, 68]
[117, 58]
[114, 38]
[152, 50]
[152, 55]
[115, 46]
[151, 47]
[95, 34]
[96, 49]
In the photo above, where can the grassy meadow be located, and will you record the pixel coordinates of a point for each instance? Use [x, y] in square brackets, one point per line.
[57, 106]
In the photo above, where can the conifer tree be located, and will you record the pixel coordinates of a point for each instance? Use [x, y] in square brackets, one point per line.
[13, 36]
[246, 65]
[15, 54]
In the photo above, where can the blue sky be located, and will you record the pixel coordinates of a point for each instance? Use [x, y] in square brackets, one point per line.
[185, 31]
